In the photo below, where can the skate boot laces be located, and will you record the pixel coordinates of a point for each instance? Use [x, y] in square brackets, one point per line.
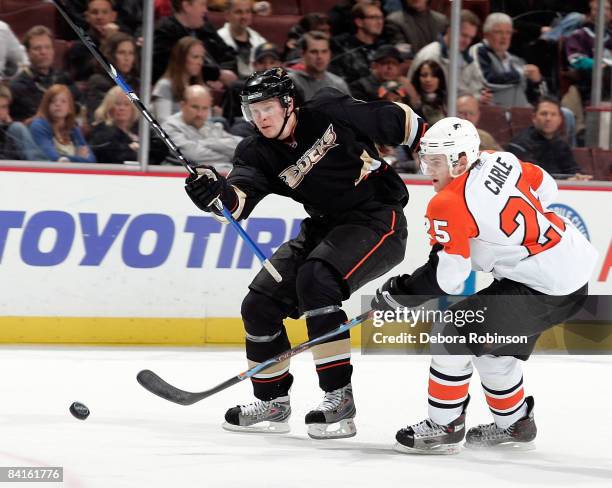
[425, 428]
[331, 400]
[493, 432]
[256, 408]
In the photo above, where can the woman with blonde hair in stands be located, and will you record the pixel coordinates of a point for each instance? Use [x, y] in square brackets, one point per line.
[114, 137]
[55, 129]
[184, 69]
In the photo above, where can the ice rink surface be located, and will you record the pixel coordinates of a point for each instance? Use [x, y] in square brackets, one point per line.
[134, 439]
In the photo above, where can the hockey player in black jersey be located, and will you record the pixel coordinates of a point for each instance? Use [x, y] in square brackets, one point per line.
[323, 155]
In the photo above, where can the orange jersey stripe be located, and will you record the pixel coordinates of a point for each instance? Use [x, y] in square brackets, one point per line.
[447, 392]
[255, 380]
[506, 403]
[321, 368]
[378, 244]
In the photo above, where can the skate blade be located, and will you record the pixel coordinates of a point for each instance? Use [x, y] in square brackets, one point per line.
[506, 446]
[443, 449]
[338, 430]
[260, 428]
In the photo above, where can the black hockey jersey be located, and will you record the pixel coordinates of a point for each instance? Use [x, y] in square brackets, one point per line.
[333, 164]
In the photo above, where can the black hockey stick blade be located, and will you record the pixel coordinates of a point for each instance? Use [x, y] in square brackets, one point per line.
[152, 382]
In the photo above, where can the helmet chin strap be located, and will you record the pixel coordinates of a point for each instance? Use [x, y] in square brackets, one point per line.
[287, 115]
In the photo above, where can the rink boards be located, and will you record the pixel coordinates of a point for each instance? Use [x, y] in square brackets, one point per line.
[127, 259]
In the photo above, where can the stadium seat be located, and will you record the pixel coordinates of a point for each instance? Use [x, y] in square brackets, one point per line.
[285, 7]
[309, 6]
[520, 119]
[61, 50]
[216, 18]
[602, 164]
[14, 5]
[584, 158]
[480, 7]
[39, 13]
[494, 119]
[275, 27]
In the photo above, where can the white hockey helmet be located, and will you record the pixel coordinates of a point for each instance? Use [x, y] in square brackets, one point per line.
[450, 137]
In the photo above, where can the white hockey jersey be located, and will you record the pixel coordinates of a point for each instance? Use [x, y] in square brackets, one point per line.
[495, 219]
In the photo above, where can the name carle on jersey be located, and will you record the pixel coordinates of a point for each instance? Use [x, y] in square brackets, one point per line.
[498, 176]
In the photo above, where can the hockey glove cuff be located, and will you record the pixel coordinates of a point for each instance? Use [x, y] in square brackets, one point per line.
[390, 295]
[207, 185]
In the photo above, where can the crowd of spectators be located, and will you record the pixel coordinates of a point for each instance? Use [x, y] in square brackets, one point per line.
[398, 50]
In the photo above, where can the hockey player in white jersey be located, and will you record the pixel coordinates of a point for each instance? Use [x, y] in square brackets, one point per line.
[490, 213]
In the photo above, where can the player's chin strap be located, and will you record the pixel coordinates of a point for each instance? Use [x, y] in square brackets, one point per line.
[287, 116]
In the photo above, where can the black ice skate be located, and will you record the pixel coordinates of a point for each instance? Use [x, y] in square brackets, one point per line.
[518, 436]
[427, 437]
[270, 417]
[333, 418]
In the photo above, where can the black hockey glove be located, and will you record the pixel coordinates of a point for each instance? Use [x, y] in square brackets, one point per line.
[207, 185]
[392, 294]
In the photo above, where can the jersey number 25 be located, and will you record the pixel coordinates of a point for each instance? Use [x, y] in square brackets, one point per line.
[528, 207]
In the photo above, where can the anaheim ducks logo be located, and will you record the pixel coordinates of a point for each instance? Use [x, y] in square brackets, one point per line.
[295, 173]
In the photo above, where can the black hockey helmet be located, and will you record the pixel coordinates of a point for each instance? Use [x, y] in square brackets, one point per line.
[262, 85]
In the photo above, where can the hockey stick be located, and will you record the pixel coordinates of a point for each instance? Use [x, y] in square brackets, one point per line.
[116, 77]
[152, 382]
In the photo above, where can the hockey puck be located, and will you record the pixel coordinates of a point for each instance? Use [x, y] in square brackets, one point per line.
[79, 411]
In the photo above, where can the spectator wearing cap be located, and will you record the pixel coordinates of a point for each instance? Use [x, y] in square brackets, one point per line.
[416, 24]
[12, 53]
[316, 55]
[189, 19]
[238, 34]
[265, 56]
[469, 79]
[200, 139]
[386, 66]
[469, 109]
[353, 52]
[541, 143]
[31, 83]
[513, 83]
